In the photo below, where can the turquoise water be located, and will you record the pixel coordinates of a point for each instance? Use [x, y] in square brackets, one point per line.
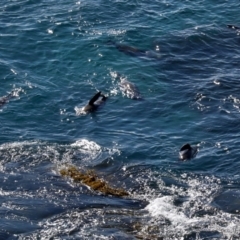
[55, 55]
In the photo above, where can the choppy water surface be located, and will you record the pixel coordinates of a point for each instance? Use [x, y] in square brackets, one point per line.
[55, 55]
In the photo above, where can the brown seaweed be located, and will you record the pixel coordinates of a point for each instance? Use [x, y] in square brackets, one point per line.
[90, 179]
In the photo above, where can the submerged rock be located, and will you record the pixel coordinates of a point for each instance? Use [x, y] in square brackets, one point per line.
[228, 201]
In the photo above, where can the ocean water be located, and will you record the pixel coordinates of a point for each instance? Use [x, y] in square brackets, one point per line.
[55, 55]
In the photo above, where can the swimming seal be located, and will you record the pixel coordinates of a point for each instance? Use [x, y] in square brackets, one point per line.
[5, 99]
[187, 152]
[133, 51]
[95, 102]
[129, 88]
[233, 27]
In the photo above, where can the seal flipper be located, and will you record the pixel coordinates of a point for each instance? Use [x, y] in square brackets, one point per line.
[104, 98]
[95, 102]
[100, 101]
[94, 98]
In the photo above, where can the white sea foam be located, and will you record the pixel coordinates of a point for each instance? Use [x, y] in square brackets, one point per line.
[18, 144]
[86, 145]
[164, 206]
[91, 150]
[196, 213]
[81, 149]
[50, 31]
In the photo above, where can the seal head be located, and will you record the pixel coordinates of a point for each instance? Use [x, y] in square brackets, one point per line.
[187, 152]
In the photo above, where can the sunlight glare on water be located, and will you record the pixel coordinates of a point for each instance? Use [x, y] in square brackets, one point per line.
[180, 66]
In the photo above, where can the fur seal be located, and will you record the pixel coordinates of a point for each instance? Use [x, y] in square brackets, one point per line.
[95, 102]
[5, 99]
[187, 152]
[233, 27]
[133, 51]
[129, 88]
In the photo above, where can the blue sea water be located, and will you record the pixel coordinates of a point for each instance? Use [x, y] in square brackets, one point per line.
[55, 55]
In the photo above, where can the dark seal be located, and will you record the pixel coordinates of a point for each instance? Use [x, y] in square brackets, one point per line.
[133, 51]
[233, 27]
[128, 88]
[5, 99]
[187, 152]
[93, 104]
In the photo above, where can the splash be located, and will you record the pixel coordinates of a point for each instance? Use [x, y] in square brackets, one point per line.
[80, 111]
[190, 211]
